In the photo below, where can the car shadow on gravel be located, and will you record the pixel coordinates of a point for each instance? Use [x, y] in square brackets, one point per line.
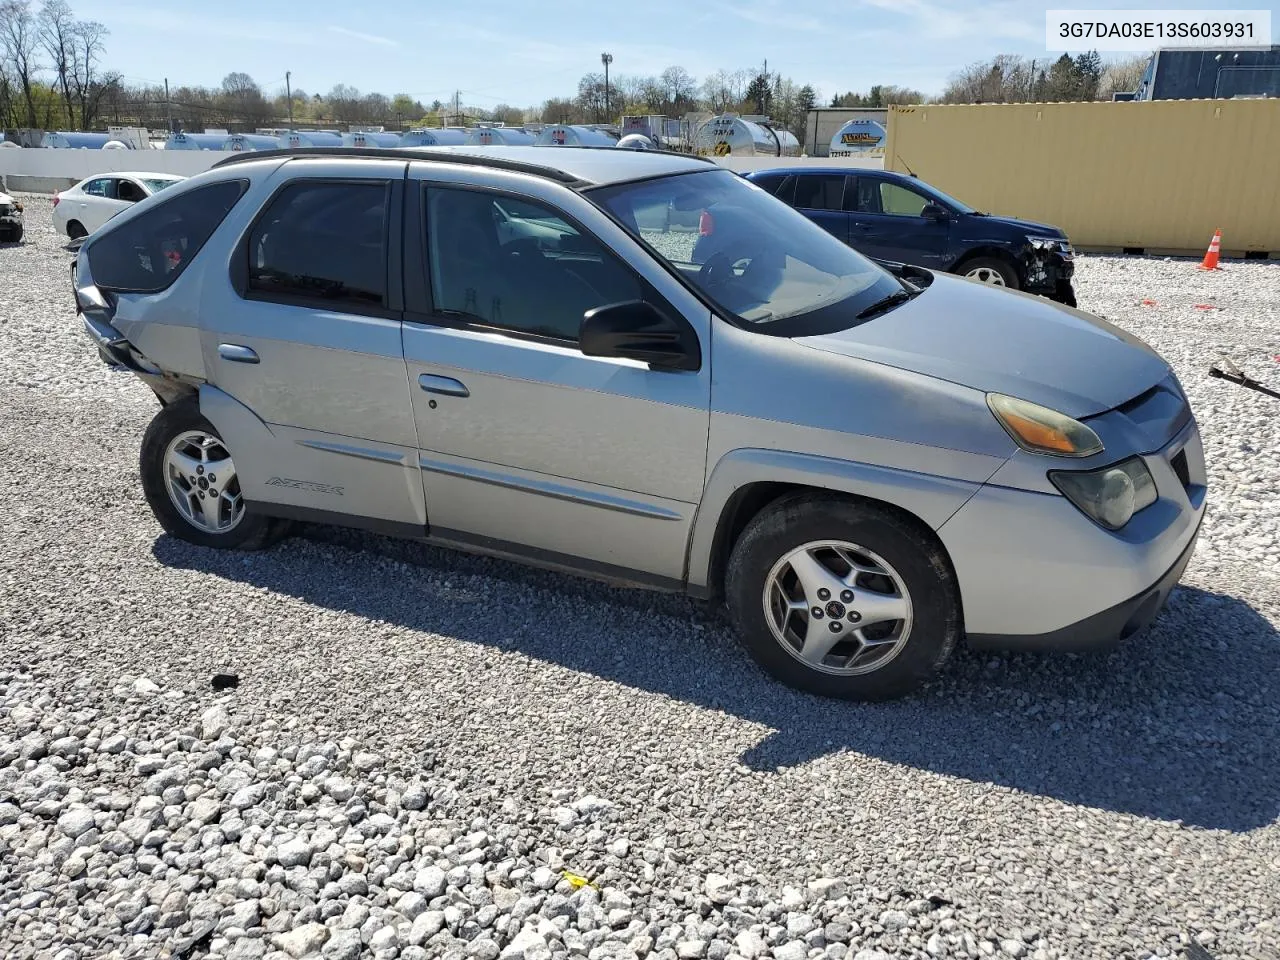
[1179, 724]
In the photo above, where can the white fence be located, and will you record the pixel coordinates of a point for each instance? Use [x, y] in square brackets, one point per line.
[45, 171]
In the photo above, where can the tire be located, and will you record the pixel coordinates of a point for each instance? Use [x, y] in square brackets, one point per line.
[1008, 276]
[168, 429]
[14, 235]
[893, 667]
[76, 230]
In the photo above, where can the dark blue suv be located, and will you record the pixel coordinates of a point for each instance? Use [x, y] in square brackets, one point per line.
[899, 219]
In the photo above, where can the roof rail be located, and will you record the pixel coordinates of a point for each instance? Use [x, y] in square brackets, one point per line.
[405, 153]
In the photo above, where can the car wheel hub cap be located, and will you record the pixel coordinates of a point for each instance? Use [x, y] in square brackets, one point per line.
[986, 275]
[202, 482]
[857, 634]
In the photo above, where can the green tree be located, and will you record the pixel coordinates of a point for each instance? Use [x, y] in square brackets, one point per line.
[759, 94]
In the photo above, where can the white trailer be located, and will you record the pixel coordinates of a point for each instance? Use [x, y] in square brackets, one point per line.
[730, 134]
[436, 137]
[499, 136]
[859, 138]
[572, 135]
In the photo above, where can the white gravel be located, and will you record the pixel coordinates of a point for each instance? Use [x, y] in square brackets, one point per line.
[424, 747]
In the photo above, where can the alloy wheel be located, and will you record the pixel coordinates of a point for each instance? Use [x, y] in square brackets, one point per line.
[837, 607]
[986, 275]
[202, 483]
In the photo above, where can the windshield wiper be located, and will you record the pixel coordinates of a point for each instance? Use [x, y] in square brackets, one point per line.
[887, 303]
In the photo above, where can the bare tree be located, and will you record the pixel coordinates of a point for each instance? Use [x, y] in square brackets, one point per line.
[509, 115]
[591, 98]
[679, 87]
[19, 43]
[90, 87]
[56, 29]
[1123, 76]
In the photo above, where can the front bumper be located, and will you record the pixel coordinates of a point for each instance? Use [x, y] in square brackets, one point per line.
[1049, 273]
[10, 223]
[1102, 630]
[1036, 573]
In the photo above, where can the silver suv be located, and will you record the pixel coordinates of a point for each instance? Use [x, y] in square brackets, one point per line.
[640, 366]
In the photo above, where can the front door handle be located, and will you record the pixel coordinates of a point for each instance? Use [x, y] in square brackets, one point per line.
[445, 386]
[236, 353]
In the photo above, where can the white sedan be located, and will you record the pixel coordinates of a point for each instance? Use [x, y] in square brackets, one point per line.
[93, 201]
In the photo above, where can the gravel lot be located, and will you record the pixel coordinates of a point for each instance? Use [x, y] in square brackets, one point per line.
[423, 743]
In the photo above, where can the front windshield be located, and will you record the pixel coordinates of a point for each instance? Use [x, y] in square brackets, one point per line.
[747, 252]
[943, 198]
[155, 185]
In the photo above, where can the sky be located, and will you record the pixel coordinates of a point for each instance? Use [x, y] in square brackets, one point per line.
[515, 52]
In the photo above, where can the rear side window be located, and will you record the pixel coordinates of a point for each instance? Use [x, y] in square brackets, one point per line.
[102, 187]
[820, 191]
[322, 242]
[149, 252]
[769, 182]
[863, 195]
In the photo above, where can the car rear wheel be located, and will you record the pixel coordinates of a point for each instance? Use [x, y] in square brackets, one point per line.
[76, 230]
[991, 271]
[841, 598]
[190, 482]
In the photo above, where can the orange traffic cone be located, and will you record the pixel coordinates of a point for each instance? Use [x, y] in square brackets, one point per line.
[1210, 261]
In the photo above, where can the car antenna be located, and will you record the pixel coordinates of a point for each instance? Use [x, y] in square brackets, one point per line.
[904, 163]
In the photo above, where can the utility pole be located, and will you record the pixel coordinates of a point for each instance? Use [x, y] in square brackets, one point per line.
[457, 106]
[168, 107]
[606, 59]
[288, 93]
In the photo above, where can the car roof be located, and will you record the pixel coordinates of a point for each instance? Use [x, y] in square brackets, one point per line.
[836, 171]
[577, 166]
[134, 174]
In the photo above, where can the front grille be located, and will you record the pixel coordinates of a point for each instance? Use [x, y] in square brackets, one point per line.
[1159, 412]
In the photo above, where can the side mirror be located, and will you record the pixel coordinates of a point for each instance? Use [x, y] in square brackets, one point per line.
[636, 330]
[934, 211]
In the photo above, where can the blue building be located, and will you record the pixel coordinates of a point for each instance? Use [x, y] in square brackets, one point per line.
[1209, 74]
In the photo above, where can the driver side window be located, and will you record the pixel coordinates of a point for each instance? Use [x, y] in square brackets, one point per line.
[517, 265]
[899, 201]
[129, 192]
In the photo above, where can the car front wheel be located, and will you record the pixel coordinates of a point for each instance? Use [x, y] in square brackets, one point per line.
[190, 481]
[991, 271]
[842, 598]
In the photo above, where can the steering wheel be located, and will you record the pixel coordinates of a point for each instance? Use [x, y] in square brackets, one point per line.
[718, 268]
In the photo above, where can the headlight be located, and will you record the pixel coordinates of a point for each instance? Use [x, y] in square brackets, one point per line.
[1110, 496]
[1038, 429]
[1045, 244]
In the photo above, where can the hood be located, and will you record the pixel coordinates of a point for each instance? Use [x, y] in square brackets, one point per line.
[1025, 226]
[5, 198]
[1007, 342]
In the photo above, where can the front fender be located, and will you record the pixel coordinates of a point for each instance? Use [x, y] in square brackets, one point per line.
[931, 499]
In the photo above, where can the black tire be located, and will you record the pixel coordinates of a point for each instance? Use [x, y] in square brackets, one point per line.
[919, 561]
[1002, 267]
[253, 532]
[14, 235]
[76, 230]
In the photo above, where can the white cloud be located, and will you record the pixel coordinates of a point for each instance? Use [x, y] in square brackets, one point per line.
[366, 37]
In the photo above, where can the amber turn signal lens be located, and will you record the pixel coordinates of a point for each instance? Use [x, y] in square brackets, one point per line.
[1039, 429]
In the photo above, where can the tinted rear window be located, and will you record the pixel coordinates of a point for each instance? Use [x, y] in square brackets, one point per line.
[149, 252]
[322, 241]
[769, 182]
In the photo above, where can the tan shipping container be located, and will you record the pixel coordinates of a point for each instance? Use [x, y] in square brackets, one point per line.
[1159, 175]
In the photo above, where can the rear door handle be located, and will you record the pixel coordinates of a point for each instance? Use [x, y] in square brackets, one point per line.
[236, 353]
[445, 386]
